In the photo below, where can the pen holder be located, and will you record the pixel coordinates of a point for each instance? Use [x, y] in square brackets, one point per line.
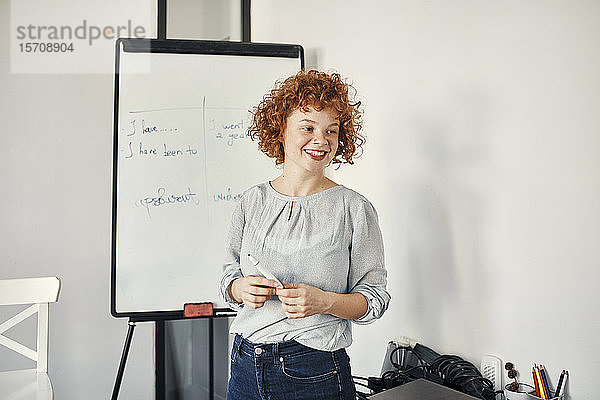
[522, 394]
[532, 396]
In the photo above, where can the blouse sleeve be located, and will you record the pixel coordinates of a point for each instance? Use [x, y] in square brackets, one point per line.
[367, 274]
[231, 268]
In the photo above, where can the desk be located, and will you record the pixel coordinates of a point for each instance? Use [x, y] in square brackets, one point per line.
[421, 389]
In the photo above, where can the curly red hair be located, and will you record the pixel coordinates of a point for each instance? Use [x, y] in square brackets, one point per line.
[315, 89]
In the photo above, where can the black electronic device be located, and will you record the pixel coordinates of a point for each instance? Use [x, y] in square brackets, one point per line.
[421, 389]
[408, 361]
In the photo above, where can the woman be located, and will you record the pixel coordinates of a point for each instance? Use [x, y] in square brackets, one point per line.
[321, 239]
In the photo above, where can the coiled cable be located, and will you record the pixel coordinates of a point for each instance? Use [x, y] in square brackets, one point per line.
[449, 370]
[463, 376]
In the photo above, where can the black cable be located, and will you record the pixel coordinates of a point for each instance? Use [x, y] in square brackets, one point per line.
[390, 379]
[463, 376]
[449, 370]
[407, 349]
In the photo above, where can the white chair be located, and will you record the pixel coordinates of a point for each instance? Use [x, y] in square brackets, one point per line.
[28, 384]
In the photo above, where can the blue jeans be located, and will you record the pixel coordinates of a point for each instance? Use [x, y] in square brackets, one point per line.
[288, 371]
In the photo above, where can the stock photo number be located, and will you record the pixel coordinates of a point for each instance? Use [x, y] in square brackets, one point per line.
[43, 47]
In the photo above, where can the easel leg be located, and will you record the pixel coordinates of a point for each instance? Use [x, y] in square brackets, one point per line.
[211, 359]
[115, 393]
[160, 355]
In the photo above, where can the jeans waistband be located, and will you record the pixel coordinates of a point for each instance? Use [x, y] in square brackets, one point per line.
[288, 348]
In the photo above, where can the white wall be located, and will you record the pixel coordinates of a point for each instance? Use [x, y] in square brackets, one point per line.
[482, 160]
[204, 19]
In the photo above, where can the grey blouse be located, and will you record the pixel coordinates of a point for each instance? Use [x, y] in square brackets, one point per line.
[330, 240]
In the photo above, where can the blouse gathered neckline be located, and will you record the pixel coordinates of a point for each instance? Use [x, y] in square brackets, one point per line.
[282, 196]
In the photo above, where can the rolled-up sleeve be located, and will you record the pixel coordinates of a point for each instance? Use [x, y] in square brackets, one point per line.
[367, 273]
[231, 267]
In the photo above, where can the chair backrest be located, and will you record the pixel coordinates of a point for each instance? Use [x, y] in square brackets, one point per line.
[38, 292]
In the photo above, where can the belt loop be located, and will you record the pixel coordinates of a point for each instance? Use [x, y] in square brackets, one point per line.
[276, 353]
[237, 344]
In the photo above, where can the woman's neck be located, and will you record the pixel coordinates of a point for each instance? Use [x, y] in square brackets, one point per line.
[293, 185]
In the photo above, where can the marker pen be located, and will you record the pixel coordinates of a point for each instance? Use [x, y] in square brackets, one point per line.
[266, 273]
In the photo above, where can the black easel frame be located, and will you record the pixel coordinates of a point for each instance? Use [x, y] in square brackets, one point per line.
[180, 47]
[159, 326]
[162, 44]
[246, 21]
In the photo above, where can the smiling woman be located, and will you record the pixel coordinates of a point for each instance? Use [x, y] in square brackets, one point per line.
[315, 90]
[320, 239]
[310, 139]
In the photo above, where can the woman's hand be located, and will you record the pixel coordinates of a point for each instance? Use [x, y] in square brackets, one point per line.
[252, 290]
[302, 300]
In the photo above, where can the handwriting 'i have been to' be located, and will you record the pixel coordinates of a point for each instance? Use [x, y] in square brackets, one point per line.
[143, 149]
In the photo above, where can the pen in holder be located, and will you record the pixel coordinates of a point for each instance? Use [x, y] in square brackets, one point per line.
[532, 396]
[523, 391]
[542, 385]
